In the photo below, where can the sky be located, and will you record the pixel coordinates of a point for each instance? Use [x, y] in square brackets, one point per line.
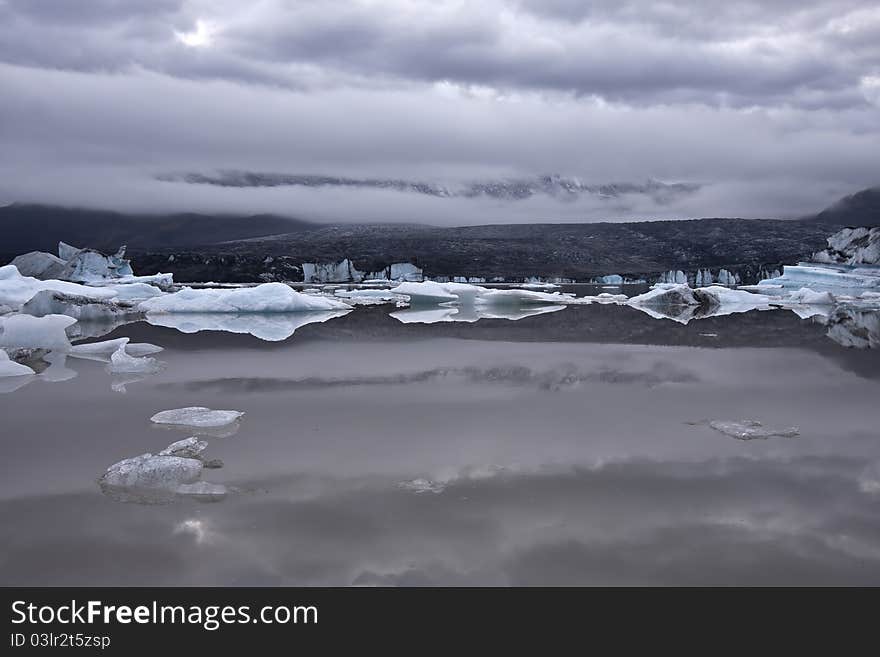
[771, 109]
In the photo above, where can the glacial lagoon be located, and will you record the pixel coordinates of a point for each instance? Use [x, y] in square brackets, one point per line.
[587, 445]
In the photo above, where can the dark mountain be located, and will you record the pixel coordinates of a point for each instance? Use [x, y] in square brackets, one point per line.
[40, 227]
[860, 209]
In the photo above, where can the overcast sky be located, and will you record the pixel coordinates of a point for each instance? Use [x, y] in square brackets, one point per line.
[774, 106]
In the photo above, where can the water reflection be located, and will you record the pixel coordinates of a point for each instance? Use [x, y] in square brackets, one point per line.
[272, 327]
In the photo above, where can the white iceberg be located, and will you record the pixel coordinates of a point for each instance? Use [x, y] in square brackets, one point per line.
[272, 327]
[809, 297]
[123, 363]
[25, 331]
[852, 246]
[16, 290]
[265, 298]
[104, 349]
[197, 417]
[11, 368]
[425, 293]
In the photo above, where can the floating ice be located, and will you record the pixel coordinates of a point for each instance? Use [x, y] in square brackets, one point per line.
[272, 327]
[839, 279]
[420, 486]
[807, 296]
[196, 416]
[751, 430]
[519, 297]
[39, 265]
[25, 331]
[11, 368]
[122, 363]
[154, 479]
[104, 349]
[16, 290]
[265, 298]
[132, 292]
[189, 448]
[52, 302]
[426, 293]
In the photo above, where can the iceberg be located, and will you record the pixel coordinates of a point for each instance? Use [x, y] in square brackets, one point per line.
[87, 265]
[52, 302]
[16, 290]
[25, 331]
[123, 363]
[11, 368]
[426, 293]
[681, 303]
[611, 279]
[271, 327]
[852, 246]
[368, 297]
[104, 349]
[197, 416]
[516, 297]
[264, 298]
[839, 279]
[161, 478]
[39, 264]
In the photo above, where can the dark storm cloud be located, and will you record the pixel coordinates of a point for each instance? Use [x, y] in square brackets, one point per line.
[773, 107]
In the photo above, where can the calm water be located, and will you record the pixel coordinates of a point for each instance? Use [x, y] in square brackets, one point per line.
[566, 448]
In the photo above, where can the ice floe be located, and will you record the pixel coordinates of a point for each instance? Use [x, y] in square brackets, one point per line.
[11, 368]
[160, 478]
[52, 302]
[16, 290]
[123, 363]
[265, 298]
[420, 486]
[751, 430]
[197, 417]
[102, 350]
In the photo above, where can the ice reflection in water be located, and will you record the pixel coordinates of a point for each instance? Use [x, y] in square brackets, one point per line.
[550, 451]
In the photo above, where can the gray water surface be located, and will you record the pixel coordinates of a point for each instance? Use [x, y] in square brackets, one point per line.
[570, 448]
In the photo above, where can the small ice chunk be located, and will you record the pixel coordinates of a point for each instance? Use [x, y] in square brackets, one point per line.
[751, 430]
[420, 486]
[196, 416]
[149, 471]
[122, 363]
[11, 368]
[103, 349]
[187, 448]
